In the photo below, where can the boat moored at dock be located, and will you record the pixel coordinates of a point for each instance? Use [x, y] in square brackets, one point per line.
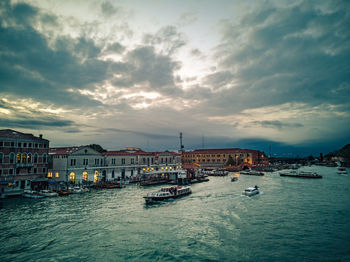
[32, 194]
[48, 193]
[301, 174]
[251, 173]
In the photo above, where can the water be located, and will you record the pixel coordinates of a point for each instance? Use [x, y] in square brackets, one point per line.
[291, 220]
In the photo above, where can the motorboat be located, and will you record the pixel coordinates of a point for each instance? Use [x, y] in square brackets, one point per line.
[48, 193]
[76, 190]
[301, 174]
[251, 173]
[32, 194]
[342, 170]
[168, 193]
[250, 191]
[234, 178]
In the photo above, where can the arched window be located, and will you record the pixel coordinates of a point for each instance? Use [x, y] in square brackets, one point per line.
[24, 158]
[35, 158]
[44, 158]
[72, 177]
[1, 158]
[96, 176]
[29, 158]
[18, 158]
[85, 175]
[12, 158]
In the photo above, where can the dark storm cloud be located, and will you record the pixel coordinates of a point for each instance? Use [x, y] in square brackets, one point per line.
[35, 123]
[144, 134]
[152, 71]
[276, 124]
[108, 9]
[30, 67]
[297, 53]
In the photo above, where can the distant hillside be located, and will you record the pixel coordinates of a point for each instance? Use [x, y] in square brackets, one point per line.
[344, 152]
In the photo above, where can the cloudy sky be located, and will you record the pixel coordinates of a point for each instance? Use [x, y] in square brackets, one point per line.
[136, 73]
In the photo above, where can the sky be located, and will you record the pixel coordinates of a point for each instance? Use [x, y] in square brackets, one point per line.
[266, 75]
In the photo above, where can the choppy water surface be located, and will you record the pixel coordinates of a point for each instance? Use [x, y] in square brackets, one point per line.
[292, 220]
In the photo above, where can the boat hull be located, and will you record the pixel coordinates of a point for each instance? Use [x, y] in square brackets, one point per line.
[301, 176]
[162, 198]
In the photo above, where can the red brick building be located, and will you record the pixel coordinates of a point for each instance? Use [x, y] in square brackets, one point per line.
[23, 161]
[219, 157]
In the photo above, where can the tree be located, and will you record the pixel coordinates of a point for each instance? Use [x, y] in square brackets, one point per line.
[98, 148]
[230, 161]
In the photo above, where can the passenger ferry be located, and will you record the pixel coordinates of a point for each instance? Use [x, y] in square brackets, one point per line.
[302, 174]
[168, 193]
[250, 191]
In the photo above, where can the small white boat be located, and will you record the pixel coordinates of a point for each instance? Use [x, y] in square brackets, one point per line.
[250, 191]
[32, 194]
[342, 170]
[48, 193]
[76, 190]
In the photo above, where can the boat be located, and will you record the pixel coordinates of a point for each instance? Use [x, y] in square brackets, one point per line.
[168, 193]
[301, 174]
[219, 173]
[342, 170]
[250, 191]
[63, 192]
[76, 190]
[251, 173]
[32, 194]
[234, 178]
[48, 193]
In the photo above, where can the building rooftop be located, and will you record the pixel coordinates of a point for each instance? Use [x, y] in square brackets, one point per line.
[62, 150]
[9, 133]
[219, 150]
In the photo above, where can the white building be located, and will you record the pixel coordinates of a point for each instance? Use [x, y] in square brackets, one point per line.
[81, 165]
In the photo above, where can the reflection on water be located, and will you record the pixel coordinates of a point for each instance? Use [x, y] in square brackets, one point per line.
[290, 220]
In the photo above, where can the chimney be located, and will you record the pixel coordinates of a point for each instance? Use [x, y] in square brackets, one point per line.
[40, 136]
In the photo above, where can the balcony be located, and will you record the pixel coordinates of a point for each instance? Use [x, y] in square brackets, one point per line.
[24, 164]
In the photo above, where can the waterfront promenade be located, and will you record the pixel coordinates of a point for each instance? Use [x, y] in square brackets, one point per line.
[291, 220]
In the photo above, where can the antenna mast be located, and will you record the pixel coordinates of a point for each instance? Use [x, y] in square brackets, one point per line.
[181, 145]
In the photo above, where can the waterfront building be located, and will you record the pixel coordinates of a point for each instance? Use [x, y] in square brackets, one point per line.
[220, 157]
[23, 162]
[84, 165]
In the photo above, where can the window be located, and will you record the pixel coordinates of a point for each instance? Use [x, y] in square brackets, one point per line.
[12, 144]
[44, 170]
[123, 161]
[72, 162]
[144, 160]
[49, 174]
[85, 175]
[96, 174]
[113, 174]
[35, 170]
[24, 158]
[36, 145]
[97, 161]
[57, 175]
[30, 145]
[24, 144]
[1, 143]
[132, 161]
[19, 144]
[12, 158]
[44, 158]
[113, 161]
[72, 176]
[29, 158]
[1, 158]
[35, 158]
[11, 171]
[85, 162]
